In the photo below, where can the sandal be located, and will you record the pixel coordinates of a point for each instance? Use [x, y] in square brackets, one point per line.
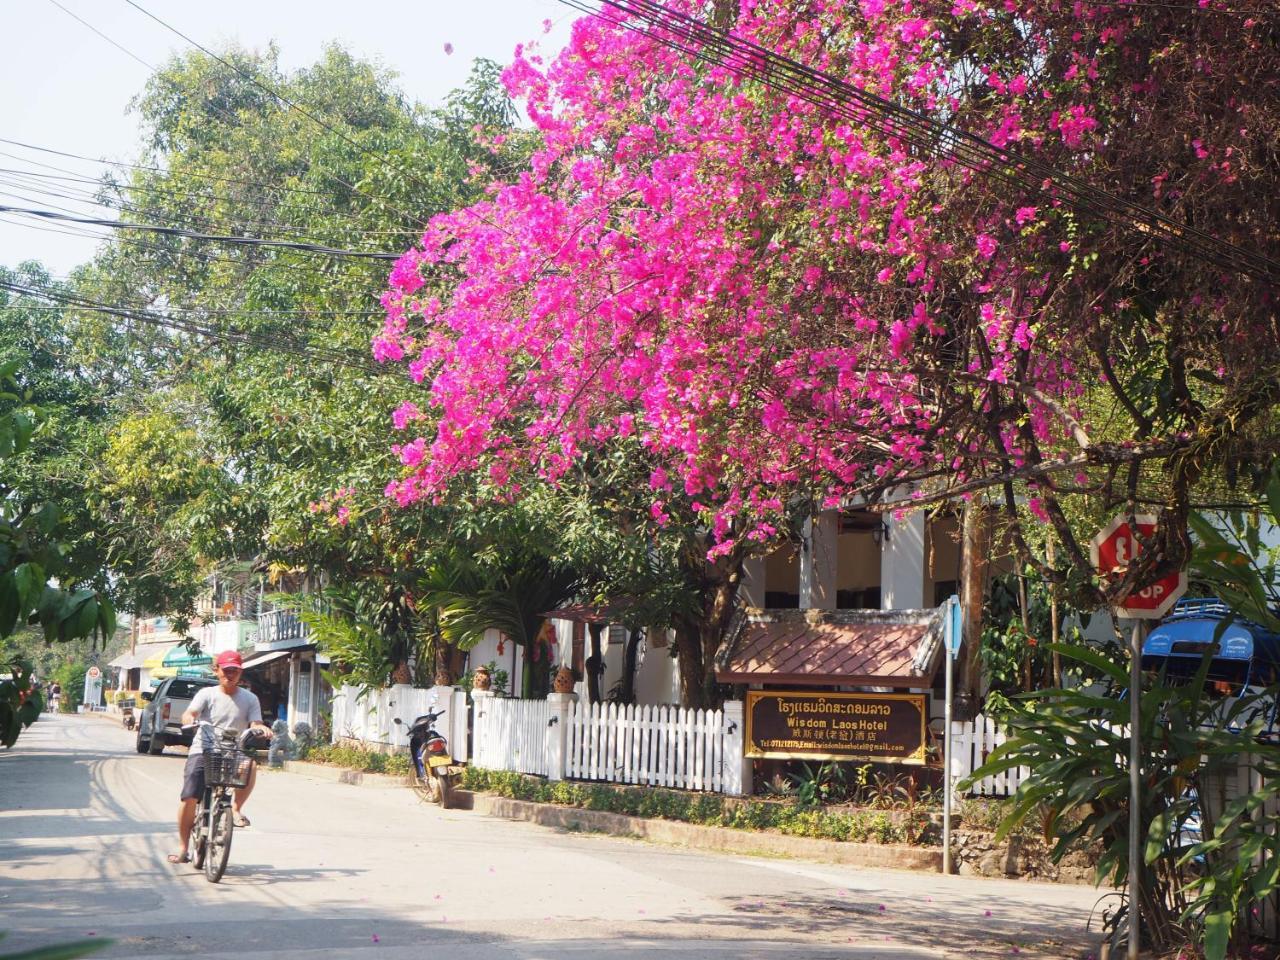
[240, 820]
[183, 857]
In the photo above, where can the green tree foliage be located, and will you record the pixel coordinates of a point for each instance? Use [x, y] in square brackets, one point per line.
[1076, 746]
[1194, 741]
[39, 584]
[239, 415]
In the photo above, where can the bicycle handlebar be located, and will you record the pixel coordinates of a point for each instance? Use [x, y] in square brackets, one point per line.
[227, 734]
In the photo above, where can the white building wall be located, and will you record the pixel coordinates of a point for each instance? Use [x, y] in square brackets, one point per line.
[511, 659]
[818, 561]
[902, 563]
[657, 680]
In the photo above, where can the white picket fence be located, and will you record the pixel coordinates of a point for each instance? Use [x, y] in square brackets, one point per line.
[971, 743]
[663, 746]
[655, 745]
[513, 735]
[370, 717]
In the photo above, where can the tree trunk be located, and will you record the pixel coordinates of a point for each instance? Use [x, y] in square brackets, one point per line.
[692, 671]
[595, 662]
[1055, 628]
[1024, 612]
[444, 662]
[974, 561]
[715, 624]
[698, 640]
[629, 665]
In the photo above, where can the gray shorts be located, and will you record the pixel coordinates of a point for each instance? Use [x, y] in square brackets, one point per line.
[193, 777]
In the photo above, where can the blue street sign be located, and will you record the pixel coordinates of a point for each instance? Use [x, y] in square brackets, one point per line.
[955, 628]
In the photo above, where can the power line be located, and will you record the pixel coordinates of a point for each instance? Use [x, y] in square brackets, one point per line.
[194, 235]
[230, 116]
[267, 88]
[90, 26]
[171, 253]
[153, 169]
[742, 57]
[229, 335]
[120, 201]
[208, 223]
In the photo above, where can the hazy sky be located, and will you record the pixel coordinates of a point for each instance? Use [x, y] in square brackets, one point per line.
[64, 87]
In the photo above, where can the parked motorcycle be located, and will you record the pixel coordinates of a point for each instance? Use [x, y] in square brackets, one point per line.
[432, 762]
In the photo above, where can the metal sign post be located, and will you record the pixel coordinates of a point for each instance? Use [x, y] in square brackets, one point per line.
[1135, 788]
[1112, 550]
[951, 637]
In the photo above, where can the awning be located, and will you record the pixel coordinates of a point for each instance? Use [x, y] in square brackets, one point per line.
[593, 613]
[253, 661]
[141, 653]
[830, 648]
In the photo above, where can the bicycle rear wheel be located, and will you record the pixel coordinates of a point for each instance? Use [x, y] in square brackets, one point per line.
[220, 827]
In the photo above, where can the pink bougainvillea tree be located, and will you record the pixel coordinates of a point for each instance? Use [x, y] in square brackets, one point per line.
[773, 298]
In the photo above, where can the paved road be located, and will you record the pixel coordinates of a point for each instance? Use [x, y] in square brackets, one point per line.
[85, 823]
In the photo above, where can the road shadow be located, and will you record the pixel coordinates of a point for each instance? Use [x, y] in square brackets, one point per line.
[992, 929]
[51, 827]
[265, 875]
[71, 773]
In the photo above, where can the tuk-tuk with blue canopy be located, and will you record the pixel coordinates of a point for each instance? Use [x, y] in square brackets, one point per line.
[1244, 656]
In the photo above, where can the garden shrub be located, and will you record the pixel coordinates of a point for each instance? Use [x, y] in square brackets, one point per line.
[705, 809]
[358, 758]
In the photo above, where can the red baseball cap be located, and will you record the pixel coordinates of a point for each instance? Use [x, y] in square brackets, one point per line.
[230, 658]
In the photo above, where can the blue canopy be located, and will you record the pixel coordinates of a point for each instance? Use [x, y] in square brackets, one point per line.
[1193, 627]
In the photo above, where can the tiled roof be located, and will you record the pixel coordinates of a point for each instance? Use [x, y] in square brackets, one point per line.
[832, 648]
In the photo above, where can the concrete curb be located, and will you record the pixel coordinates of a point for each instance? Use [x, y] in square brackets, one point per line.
[356, 778]
[721, 839]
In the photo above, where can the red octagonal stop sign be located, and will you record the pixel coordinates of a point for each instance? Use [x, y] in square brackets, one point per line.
[1114, 548]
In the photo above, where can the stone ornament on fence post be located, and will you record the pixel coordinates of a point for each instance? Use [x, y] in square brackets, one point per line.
[737, 766]
[557, 733]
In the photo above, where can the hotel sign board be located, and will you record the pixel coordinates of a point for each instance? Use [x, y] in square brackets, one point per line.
[804, 725]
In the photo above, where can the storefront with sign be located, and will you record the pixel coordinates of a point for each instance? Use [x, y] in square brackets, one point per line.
[178, 661]
[842, 685]
[284, 670]
[132, 673]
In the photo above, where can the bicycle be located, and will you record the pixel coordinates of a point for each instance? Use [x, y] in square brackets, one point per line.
[227, 767]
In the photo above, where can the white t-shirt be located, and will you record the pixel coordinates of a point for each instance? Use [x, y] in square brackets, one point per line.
[235, 712]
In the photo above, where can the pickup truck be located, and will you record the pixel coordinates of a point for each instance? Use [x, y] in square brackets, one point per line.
[161, 722]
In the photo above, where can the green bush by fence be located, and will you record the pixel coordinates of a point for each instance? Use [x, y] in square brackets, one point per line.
[354, 758]
[705, 809]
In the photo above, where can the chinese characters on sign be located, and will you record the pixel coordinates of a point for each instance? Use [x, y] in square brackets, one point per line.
[883, 727]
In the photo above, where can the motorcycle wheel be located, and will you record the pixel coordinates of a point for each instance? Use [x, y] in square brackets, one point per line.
[430, 787]
[445, 782]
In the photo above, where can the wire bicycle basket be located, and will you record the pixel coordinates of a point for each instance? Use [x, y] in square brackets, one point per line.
[227, 768]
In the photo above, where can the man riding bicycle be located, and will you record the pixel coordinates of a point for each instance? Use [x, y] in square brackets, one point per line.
[228, 706]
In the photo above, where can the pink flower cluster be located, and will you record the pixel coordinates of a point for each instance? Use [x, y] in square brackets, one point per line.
[753, 292]
[337, 506]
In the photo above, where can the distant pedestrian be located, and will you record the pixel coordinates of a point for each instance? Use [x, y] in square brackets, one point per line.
[55, 696]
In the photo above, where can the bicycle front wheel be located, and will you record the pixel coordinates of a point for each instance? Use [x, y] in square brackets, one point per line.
[220, 827]
[200, 837]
